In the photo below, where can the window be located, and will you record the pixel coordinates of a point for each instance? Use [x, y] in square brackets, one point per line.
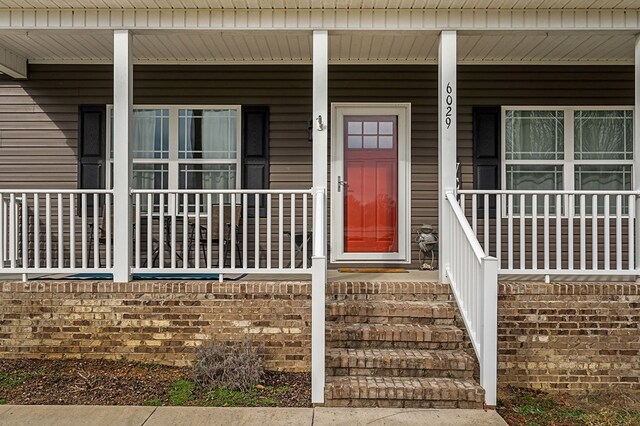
[572, 148]
[183, 147]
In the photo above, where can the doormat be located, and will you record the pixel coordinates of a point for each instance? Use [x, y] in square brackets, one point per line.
[373, 270]
[99, 276]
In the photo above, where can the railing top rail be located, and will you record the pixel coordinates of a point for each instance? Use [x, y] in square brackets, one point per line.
[542, 192]
[56, 191]
[222, 191]
[462, 220]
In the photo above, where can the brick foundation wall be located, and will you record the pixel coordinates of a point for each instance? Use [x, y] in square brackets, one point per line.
[571, 337]
[155, 321]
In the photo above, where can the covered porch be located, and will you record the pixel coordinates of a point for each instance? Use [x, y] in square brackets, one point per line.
[277, 225]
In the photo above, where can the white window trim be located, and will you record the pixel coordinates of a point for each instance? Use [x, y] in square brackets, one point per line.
[173, 160]
[569, 162]
[403, 111]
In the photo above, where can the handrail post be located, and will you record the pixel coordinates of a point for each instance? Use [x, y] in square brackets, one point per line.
[489, 342]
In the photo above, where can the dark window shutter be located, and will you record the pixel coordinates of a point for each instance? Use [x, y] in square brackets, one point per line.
[486, 152]
[255, 153]
[92, 138]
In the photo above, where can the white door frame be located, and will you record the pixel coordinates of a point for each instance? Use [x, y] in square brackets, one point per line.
[403, 112]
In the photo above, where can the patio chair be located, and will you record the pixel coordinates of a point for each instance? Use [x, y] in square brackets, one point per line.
[215, 234]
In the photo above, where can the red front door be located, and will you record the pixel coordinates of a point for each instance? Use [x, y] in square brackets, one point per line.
[370, 184]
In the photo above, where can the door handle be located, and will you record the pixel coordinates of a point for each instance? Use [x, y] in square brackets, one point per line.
[341, 183]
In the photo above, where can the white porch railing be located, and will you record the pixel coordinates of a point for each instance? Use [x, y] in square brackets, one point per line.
[555, 232]
[55, 231]
[222, 231]
[474, 281]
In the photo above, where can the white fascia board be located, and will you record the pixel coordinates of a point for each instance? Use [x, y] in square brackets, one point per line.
[323, 19]
[12, 64]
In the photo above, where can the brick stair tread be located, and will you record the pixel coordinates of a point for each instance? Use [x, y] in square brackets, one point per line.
[387, 287]
[394, 332]
[426, 359]
[391, 308]
[403, 388]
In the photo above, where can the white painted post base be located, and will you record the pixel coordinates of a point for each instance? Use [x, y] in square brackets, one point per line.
[318, 285]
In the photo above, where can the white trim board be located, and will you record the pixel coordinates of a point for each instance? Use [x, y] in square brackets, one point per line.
[403, 111]
[326, 19]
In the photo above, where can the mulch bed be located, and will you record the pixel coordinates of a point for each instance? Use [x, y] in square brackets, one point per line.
[525, 407]
[101, 382]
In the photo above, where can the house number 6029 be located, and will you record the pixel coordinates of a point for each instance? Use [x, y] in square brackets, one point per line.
[449, 101]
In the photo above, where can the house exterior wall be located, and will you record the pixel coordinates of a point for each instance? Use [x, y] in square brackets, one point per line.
[572, 337]
[39, 117]
[559, 337]
[160, 322]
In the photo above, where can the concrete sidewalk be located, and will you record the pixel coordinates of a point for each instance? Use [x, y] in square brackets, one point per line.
[59, 415]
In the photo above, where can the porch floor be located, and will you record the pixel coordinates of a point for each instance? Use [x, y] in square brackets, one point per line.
[334, 275]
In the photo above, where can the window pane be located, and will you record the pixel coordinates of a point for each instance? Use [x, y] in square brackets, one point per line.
[603, 135]
[150, 176]
[151, 133]
[534, 177]
[603, 178]
[209, 133]
[354, 142]
[370, 142]
[355, 127]
[207, 176]
[534, 135]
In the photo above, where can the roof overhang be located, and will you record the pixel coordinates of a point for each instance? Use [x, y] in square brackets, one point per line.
[321, 4]
[330, 19]
[345, 47]
[279, 31]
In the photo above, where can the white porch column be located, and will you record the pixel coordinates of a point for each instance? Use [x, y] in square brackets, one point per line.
[447, 118]
[319, 262]
[122, 168]
[636, 148]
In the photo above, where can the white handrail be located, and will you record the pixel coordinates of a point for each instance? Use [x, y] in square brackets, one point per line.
[474, 281]
[556, 232]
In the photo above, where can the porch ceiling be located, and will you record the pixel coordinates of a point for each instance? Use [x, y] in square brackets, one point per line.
[322, 4]
[264, 47]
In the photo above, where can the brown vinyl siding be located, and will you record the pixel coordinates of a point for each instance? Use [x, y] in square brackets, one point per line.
[38, 117]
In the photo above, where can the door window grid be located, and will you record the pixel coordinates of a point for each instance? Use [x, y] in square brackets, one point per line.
[370, 134]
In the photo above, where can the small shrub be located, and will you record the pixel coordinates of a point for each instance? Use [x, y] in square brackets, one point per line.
[237, 366]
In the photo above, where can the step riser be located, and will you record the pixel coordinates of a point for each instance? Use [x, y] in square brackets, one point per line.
[387, 308]
[350, 319]
[397, 372]
[389, 289]
[394, 403]
[448, 298]
[404, 336]
[372, 344]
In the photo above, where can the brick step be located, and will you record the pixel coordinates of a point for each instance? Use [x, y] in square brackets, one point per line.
[390, 312]
[388, 291]
[399, 362]
[384, 336]
[409, 392]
